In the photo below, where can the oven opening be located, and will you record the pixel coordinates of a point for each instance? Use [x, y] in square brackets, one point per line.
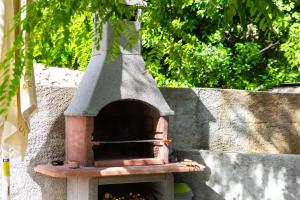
[125, 130]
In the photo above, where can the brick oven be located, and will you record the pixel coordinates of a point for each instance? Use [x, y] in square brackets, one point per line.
[117, 127]
[124, 132]
[127, 125]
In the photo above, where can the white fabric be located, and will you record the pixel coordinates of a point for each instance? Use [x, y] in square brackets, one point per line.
[14, 127]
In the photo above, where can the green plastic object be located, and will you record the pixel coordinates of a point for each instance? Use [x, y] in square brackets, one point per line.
[180, 188]
[182, 192]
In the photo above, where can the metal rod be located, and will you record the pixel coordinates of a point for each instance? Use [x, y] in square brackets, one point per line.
[126, 141]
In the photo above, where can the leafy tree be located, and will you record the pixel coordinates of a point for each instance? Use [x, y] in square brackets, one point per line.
[201, 50]
[187, 41]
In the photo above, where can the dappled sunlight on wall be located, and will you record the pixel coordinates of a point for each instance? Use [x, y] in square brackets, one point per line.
[235, 120]
[235, 176]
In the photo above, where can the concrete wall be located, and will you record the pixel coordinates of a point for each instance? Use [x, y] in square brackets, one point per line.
[292, 88]
[211, 119]
[235, 120]
[236, 176]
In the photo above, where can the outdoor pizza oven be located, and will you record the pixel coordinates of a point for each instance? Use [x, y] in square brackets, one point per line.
[117, 116]
[117, 130]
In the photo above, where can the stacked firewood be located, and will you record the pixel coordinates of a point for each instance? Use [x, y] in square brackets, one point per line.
[130, 196]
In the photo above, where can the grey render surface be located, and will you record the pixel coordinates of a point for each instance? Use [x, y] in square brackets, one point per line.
[236, 176]
[234, 120]
[122, 79]
[209, 119]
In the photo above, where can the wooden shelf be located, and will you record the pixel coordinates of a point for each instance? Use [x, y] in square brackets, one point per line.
[64, 171]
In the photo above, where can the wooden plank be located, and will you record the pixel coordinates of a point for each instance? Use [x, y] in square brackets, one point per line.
[65, 171]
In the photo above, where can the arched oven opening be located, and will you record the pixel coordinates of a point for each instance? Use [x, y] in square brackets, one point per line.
[128, 132]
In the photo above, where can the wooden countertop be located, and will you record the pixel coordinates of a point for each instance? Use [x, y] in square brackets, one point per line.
[64, 171]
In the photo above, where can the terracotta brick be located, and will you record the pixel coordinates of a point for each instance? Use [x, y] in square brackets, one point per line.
[78, 140]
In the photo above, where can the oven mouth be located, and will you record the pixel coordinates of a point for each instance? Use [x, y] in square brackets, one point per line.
[126, 130]
[134, 150]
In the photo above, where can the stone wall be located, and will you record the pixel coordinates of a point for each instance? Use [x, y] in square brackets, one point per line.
[210, 119]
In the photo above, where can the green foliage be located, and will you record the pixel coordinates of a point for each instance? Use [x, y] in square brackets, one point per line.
[199, 48]
[60, 34]
[208, 43]
[291, 47]
[75, 53]
[259, 11]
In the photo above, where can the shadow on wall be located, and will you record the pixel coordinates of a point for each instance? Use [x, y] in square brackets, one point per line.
[280, 118]
[197, 181]
[235, 120]
[190, 126]
[265, 122]
[233, 176]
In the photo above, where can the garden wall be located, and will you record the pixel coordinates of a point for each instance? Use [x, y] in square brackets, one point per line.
[210, 119]
[235, 120]
[244, 176]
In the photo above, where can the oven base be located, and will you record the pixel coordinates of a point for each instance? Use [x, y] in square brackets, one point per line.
[79, 188]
